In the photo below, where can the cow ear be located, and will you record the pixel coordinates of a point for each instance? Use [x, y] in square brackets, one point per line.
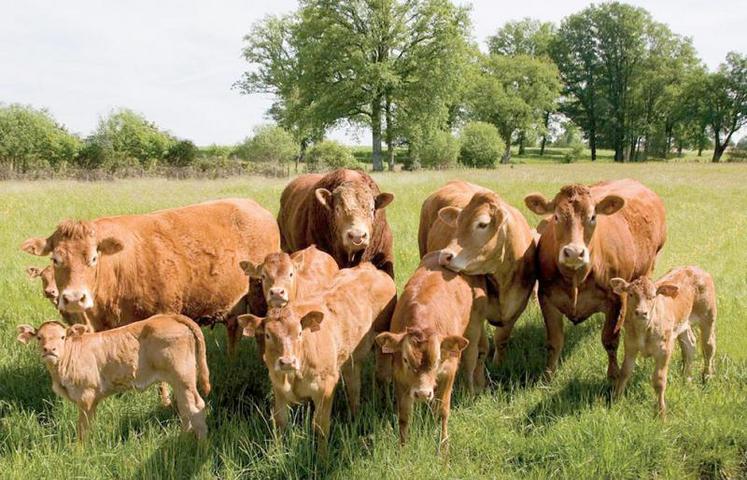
[537, 203]
[250, 324]
[542, 225]
[668, 290]
[110, 246]
[453, 345]
[312, 320]
[498, 214]
[250, 269]
[25, 333]
[77, 329]
[619, 285]
[390, 342]
[382, 200]
[449, 215]
[33, 272]
[609, 205]
[36, 246]
[324, 197]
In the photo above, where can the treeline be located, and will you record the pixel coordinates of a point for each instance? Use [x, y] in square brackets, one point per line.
[408, 71]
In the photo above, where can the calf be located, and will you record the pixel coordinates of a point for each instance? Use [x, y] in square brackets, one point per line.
[284, 277]
[437, 322]
[49, 286]
[659, 312]
[87, 367]
[309, 344]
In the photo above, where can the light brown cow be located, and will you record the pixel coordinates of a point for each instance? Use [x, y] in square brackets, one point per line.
[87, 367]
[594, 233]
[284, 277]
[659, 312]
[342, 213]
[437, 324]
[309, 344]
[49, 286]
[184, 260]
[479, 233]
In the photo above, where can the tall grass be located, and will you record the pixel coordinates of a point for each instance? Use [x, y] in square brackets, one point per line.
[521, 428]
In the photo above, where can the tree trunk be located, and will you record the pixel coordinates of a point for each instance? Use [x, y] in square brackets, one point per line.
[376, 135]
[389, 135]
[507, 152]
[522, 138]
[593, 143]
[700, 149]
[544, 135]
[717, 152]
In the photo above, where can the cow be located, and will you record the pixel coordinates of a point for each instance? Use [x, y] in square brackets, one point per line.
[308, 344]
[117, 270]
[49, 286]
[593, 234]
[86, 367]
[437, 324]
[284, 277]
[478, 233]
[342, 213]
[659, 312]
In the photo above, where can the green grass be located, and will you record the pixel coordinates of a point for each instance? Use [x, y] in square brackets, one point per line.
[521, 428]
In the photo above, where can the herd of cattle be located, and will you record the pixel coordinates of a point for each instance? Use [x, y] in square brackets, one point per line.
[320, 295]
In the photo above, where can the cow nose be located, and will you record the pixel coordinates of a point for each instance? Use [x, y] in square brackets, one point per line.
[445, 257]
[571, 252]
[277, 292]
[642, 313]
[423, 394]
[74, 297]
[285, 362]
[357, 237]
[51, 293]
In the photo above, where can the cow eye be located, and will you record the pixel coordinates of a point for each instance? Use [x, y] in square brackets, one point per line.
[267, 336]
[94, 259]
[482, 225]
[56, 261]
[593, 219]
[291, 275]
[63, 337]
[555, 217]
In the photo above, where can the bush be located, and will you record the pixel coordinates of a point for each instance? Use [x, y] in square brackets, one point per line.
[182, 154]
[329, 155]
[574, 152]
[31, 139]
[481, 145]
[270, 144]
[439, 150]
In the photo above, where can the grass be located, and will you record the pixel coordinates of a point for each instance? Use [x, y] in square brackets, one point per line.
[521, 428]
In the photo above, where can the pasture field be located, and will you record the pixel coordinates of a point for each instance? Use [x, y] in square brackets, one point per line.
[520, 428]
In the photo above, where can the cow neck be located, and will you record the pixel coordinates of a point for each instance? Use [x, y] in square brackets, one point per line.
[575, 278]
[66, 371]
[508, 259]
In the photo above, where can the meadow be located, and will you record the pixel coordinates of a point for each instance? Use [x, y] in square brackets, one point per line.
[521, 428]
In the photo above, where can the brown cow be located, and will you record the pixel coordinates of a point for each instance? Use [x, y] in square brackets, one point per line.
[342, 213]
[310, 343]
[185, 260]
[87, 367]
[304, 273]
[595, 233]
[438, 322]
[479, 233]
[659, 312]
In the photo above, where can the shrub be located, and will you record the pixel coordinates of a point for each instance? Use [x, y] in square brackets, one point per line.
[182, 154]
[329, 155]
[439, 150]
[481, 145]
[574, 152]
[270, 144]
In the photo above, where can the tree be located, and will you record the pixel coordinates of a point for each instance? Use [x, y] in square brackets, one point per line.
[513, 93]
[480, 145]
[269, 144]
[31, 138]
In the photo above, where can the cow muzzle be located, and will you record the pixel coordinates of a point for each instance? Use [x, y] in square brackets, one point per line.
[287, 364]
[423, 394]
[356, 239]
[278, 297]
[574, 256]
[75, 301]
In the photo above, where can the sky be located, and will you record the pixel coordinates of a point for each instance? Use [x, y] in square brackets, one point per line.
[176, 61]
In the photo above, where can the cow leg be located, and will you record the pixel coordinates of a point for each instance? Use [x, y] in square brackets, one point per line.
[480, 377]
[708, 344]
[191, 408]
[659, 379]
[554, 334]
[686, 340]
[610, 341]
[86, 411]
[469, 364]
[322, 414]
[443, 397]
[279, 410]
[404, 409]
[500, 340]
[351, 376]
[631, 352]
[232, 335]
[163, 390]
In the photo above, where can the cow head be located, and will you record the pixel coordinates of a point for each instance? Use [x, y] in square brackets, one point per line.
[283, 330]
[278, 273]
[51, 337]
[641, 294]
[420, 356]
[49, 286]
[353, 206]
[574, 219]
[476, 237]
[75, 248]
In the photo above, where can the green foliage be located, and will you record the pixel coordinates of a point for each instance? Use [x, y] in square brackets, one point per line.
[574, 152]
[481, 145]
[31, 139]
[523, 37]
[269, 144]
[329, 155]
[182, 153]
[440, 150]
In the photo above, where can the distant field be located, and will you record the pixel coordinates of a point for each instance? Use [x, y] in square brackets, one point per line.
[520, 429]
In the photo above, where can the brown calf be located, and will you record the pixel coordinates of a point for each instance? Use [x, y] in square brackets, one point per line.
[87, 367]
[309, 344]
[437, 324]
[659, 312]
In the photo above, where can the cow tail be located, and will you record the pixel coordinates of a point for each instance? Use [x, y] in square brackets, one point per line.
[203, 373]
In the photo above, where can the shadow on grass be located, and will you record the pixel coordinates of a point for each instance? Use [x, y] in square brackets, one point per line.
[26, 386]
[576, 395]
